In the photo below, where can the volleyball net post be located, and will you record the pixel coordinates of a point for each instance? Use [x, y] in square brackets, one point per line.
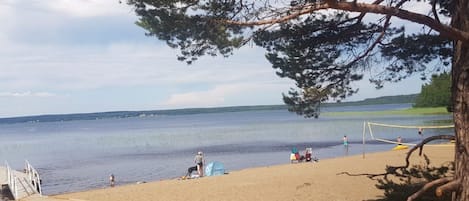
[363, 139]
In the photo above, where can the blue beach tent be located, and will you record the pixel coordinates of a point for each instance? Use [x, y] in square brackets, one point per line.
[214, 168]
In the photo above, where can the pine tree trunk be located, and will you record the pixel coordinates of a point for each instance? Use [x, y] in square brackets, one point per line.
[460, 91]
[461, 120]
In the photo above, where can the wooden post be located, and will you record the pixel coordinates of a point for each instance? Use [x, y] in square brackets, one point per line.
[363, 138]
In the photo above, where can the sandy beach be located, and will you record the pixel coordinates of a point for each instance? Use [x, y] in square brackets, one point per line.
[302, 181]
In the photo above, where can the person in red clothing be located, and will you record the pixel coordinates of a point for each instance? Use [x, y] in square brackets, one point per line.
[308, 154]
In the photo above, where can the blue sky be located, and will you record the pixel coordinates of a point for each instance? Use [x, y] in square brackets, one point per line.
[78, 56]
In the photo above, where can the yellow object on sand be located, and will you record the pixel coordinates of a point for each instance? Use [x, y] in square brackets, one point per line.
[400, 147]
[292, 157]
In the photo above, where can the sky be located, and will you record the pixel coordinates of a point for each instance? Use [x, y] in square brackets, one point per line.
[80, 56]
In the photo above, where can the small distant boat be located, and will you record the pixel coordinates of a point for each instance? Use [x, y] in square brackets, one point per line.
[400, 147]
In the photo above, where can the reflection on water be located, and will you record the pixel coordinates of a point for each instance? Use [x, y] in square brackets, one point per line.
[79, 155]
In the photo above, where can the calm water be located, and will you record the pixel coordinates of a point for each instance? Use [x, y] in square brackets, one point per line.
[80, 155]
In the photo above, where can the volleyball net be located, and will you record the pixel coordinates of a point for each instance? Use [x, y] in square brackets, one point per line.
[403, 134]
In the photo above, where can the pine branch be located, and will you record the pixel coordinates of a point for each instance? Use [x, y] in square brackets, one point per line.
[443, 29]
[452, 186]
[425, 141]
[372, 46]
[429, 185]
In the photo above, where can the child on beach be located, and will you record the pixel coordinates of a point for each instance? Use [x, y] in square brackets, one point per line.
[345, 141]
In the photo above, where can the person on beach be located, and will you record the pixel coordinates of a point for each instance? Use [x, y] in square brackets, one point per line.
[308, 154]
[399, 140]
[112, 180]
[189, 172]
[420, 131]
[200, 161]
[295, 156]
[345, 141]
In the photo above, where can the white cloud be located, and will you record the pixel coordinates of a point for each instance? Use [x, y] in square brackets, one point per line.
[26, 94]
[215, 96]
[90, 48]
[6, 12]
[229, 94]
[418, 7]
[88, 8]
[121, 64]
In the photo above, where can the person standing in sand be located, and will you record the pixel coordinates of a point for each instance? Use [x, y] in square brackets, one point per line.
[200, 161]
[345, 139]
[112, 180]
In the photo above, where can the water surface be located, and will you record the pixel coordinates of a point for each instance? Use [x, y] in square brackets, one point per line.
[80, 155]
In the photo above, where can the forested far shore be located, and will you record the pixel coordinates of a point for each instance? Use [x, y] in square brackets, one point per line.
[125, 114]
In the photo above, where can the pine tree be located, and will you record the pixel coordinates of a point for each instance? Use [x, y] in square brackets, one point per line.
[326, 45]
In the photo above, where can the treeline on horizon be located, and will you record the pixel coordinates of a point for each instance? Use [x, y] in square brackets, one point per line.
[126, 114]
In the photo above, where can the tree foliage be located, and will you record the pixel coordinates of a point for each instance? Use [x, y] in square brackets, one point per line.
[323, 52]
[437, 93]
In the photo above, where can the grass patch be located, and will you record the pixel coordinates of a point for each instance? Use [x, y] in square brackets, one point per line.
[410, 111]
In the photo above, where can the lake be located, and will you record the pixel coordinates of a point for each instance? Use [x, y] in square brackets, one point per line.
[80, 155]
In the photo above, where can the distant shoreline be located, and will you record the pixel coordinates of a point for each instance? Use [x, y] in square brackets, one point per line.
[402, 99]
[410, 111]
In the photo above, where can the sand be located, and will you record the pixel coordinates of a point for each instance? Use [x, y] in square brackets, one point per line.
[302, 181]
